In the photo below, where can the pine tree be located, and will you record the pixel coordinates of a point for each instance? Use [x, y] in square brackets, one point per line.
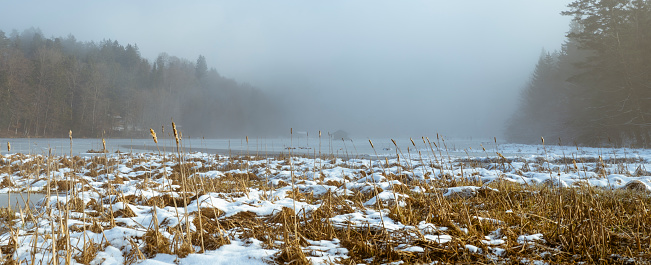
[537, 114]
[201, 68]
[616, 32]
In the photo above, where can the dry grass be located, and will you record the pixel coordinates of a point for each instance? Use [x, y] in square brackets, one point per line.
[155, 243]
[578, 224]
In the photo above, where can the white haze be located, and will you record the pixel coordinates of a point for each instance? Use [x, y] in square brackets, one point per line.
[373, 68]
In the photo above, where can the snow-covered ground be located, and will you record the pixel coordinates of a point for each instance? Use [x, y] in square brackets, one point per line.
[131, 198]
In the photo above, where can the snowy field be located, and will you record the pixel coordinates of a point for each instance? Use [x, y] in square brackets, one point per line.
[507, 203]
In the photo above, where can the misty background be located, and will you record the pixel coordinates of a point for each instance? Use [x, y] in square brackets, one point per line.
[372, 68]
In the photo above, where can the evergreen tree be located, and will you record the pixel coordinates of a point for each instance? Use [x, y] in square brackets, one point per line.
[201, 68]
[599, 91]
[537, 114]
[617, 33]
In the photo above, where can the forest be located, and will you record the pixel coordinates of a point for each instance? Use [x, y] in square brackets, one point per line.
[49, 86]
[596, 90]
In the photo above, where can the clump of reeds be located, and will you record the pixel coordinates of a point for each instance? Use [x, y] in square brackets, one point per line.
[155, 242]
[292, 254]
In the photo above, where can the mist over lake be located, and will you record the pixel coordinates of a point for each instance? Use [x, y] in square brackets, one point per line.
[325, 132]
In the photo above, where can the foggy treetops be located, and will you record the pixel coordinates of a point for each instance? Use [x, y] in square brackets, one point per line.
[597, 88]
[52, 85]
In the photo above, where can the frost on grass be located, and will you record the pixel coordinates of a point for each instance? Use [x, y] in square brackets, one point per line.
[540, 205]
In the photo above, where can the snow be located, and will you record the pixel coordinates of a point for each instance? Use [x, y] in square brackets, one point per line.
[474, 249]
[235, 253]
[495, 238]
[523, 239]
[111, 255]
[440, 239]
[372, 178]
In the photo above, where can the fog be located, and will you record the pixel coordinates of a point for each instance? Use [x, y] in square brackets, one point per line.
[372, 68]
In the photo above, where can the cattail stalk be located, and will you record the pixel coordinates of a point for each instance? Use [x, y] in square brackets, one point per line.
[375, 191]
[70, 136]
[153, 135]
[183, 183]
[176, 135]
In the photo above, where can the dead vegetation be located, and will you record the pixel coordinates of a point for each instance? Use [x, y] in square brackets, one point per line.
[420, 219]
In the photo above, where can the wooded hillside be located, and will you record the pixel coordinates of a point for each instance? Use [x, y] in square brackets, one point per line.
[51, 85]
[597, 89]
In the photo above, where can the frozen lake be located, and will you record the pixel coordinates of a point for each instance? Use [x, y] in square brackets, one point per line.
[19, 200]
[358, 147]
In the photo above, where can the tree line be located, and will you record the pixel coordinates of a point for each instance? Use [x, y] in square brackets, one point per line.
[597, 89]
[49, 86]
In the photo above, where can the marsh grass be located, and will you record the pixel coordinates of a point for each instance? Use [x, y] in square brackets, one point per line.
[578, 223]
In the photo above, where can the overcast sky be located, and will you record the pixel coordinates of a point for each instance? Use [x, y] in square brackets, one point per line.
[403, 68]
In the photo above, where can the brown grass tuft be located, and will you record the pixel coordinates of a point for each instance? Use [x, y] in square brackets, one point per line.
[6, 182]
[126, 212]
[164, 201]
[76, 205]
[292, 254]
[241, 219]
[636, 185]
[208, 220]
[61, 185]
[285, 216]
[155, 242]
[184, 250]
[209, 241]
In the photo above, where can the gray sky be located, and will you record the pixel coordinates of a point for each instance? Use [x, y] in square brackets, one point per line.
[375, 68]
